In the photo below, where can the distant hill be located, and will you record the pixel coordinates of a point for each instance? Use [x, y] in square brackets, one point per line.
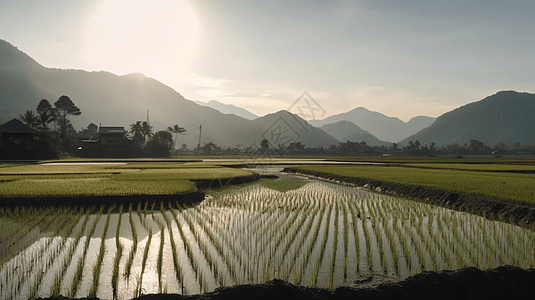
[111, 100]
[506, 116]
[347, 131]
[229, 109]
[292, 126]
[383, 127]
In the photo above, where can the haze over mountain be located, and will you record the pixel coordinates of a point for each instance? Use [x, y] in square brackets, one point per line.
[111, 100]
[506, 116]
[383, 127]
[229, 109]
[347, 131]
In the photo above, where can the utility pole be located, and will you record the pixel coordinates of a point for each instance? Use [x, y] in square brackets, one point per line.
[199, 142]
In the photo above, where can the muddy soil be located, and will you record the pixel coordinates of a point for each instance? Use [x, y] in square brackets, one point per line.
[522, 214]
[501, 283]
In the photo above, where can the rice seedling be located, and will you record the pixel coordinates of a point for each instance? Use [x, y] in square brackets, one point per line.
[98, 265]
[132, 253]
[160, 259]
[75, 284]
[251, 234]
[143, 264]
[118, 254]
[517, 187]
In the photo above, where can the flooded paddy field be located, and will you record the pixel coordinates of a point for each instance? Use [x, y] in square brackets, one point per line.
[306, 232]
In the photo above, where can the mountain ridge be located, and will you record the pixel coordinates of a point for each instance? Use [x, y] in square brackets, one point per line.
[507, 116]
[113, 100]
[383, 127]
[229, 109]
[348, 131]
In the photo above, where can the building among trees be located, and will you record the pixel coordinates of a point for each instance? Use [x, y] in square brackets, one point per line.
[18, 141]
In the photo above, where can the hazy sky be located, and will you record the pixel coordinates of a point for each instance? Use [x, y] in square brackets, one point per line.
[401, 58]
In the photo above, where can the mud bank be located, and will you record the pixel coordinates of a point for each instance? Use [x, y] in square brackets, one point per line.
[218, 182]
[188, 198]
[488, 207]
[501, 283]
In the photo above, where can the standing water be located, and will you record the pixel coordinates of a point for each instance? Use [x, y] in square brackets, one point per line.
[307, 232]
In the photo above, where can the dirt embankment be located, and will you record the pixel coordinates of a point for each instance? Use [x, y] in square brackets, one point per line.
[501, 283]
[488, 207]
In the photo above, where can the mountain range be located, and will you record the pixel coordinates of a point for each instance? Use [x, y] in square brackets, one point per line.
[111, 100]
[347, 131]
[228, 109]
[385, 128]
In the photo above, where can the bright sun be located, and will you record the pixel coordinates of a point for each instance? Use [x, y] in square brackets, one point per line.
[159, 39]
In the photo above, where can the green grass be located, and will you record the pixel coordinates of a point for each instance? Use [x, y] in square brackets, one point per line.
[476, 167]
[156, 178]
[91, 187]
[480, 159]
[502, 185]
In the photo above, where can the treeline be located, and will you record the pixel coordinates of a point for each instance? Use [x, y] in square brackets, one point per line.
[264, 148]
[55, 135]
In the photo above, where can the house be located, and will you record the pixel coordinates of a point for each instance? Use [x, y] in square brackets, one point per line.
[110, 142]
[18, 141]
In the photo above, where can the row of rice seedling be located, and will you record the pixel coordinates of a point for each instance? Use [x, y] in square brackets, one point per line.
[100, 256]
[321, 234]
[118, 255]
[517, 186]
[80, 264]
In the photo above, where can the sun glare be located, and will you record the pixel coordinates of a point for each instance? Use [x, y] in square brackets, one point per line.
[159, 39]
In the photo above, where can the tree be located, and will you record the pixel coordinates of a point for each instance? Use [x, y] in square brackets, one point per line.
[92, 128]
[29, 118]
[136, 130]
[209, 147]
[264, 145]
[147, 130]
[476, 146]
[65, 107]
[165, 138]
[296, 148]
[516, 146]
[46, 114]
[176, 130]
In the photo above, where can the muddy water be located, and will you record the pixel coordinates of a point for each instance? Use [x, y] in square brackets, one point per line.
[304, 231]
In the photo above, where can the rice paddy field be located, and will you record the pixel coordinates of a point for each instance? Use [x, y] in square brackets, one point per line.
[507, 186]
[99, 179]
[307, 232]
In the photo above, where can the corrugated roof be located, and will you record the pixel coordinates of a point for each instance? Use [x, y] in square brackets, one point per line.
[111, 130]
[15, 126]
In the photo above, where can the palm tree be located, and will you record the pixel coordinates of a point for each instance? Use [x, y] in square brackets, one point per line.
[29, 118]
[176, 130]
[136, 130]
[147, 130]
[46, 114]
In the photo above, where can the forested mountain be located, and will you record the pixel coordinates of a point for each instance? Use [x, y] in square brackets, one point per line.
[110, 100]
[506, 116]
